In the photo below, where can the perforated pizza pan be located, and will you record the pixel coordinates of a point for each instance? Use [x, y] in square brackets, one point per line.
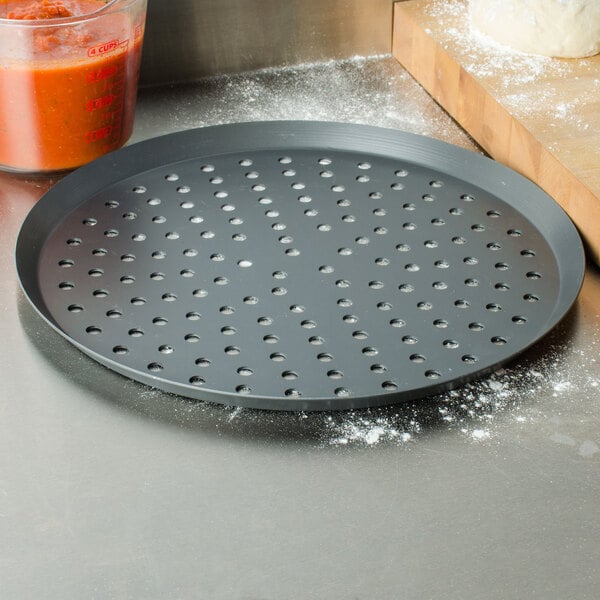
[299, 265]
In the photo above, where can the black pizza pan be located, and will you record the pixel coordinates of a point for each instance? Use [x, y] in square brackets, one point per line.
[299, 265]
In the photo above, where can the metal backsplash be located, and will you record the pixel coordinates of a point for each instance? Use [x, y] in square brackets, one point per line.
[189, 39]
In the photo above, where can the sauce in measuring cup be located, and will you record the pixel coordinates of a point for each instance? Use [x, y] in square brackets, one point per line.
[68, 80]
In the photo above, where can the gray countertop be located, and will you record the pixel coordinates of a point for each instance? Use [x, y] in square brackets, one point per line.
[110, 489]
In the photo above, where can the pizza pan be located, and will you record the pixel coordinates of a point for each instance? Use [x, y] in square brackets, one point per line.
[299, 265]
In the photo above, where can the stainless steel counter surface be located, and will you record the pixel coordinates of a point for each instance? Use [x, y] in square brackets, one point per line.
[110, 489]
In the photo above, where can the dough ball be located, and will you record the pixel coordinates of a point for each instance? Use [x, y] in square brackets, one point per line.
[559, 28]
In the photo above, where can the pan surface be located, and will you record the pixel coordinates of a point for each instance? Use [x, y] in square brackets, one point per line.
[299, 265]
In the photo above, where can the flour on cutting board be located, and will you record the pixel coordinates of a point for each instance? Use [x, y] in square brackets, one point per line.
[508, 71]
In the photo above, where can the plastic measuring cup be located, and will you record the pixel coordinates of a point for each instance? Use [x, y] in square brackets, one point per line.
[68, 80]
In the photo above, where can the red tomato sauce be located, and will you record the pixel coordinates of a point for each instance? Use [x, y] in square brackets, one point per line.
[67, 93]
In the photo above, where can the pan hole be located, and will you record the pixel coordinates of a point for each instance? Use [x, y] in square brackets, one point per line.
[527, 253]
[193, 316]
[127, 279]
[325, 357]
[472, 282]
[245, 371]
[362, 240]
[406, 288]
[476, 326]
[341, 392]
[136, 237]
[342, 283]
[75, 308]
[93, 330]
[462, 303]
[502, 266]
[349, 219]
[344, 251]
[197, 380]
[531, 298]
[207, 235]
[370, 351]
[127, 257]
[66, 263]
[192, 338]
[351, 319]
[239, 237]
[455, 211]
[326, 269]
[478, 227]
[232, 350]
[120, 350]
[459, 240]
[203, 362]
[311, 212]
[259, 187]
[424, 305]
[406, 206]
[289, 173]
[410, 339]
[277, 357]
[155, 367]
[135, 333]
[292, 252]
[494, 214]
[307, 324]
[498, 340]
[534, 275]
[389, 386]
[169, 297]
[96, 272]
[519, 320]
[432, 374]
[398, 323]
[376, 285]
[244, 263]
[494, 246]
[100, 293]
[442, 264]
[384, 306]
[111, 204]
[292, 393]
[515, 232]
[157, 276]
[74, 242]
[335, 374]
[439, 285]
[166, 349]
[243, 389]
[160, 254]
[228, 330]
[138, 301]
[252, 175]
[114, 313]
[316, 340]
[417, 358]
[250, 300]
[493, 307]
[450, 344]
[200, 293]
[265, 321]
[344, 302]
[221, 280]
[403, 248]
[187, 273]
[360, 335]
[469, 358]
[153, 201]
[413, 268]
[467, 198]
[172, 177]
[470, 260]
[159, 219]
[397, 187]
[160, 321]
[438, 222]
[129, 216]
[172, 235]
[298, 185]
[502, 287]
[285, 160]
[380, 230]
[409, 226]
[245, 162]
[441, 323]
[289, 375]
[226, 310]
[378, 368]
[428, 198]
[270, 339]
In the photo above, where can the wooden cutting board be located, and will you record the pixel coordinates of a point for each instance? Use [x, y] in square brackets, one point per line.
[538, 115]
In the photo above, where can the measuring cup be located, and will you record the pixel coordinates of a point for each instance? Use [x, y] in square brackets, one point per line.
[68, 80]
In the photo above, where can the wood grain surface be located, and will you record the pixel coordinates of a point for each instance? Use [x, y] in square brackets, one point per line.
[537, 115]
